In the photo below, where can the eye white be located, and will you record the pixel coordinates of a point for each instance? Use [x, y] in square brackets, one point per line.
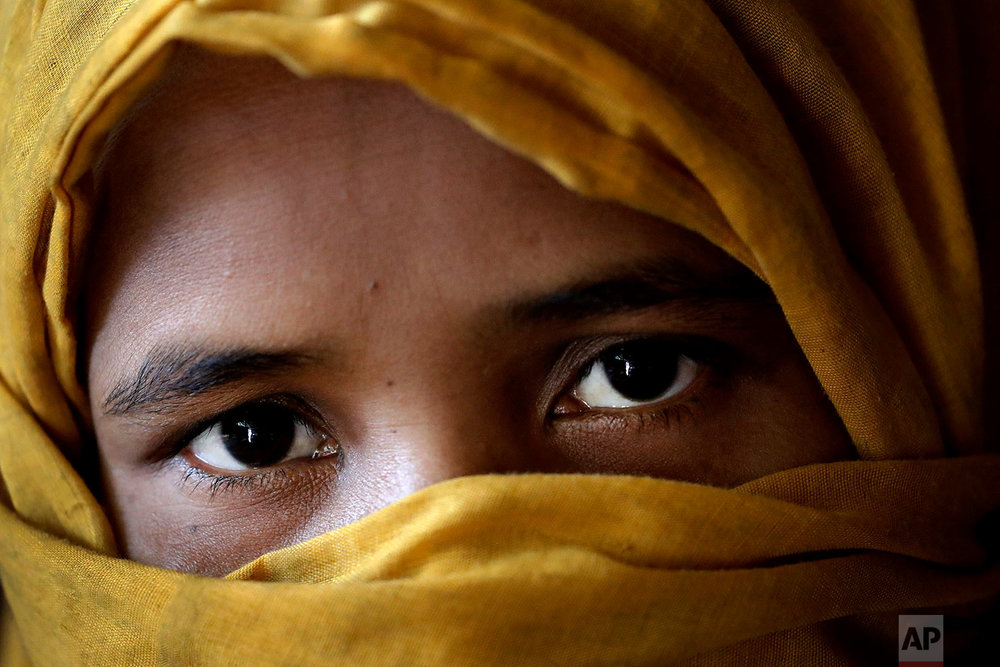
[595, 389]
[209, 446]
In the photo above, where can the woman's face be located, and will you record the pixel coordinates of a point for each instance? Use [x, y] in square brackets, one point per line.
[308, 299]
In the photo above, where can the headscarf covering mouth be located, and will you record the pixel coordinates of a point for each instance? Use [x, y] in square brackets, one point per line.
[808, 141]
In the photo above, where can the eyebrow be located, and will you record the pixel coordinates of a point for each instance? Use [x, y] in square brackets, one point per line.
[639, 285]
[168, 375]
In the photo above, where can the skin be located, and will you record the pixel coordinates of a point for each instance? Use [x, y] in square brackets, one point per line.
[404, 263]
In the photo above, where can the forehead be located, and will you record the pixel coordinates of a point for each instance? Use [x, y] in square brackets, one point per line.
[237, 188]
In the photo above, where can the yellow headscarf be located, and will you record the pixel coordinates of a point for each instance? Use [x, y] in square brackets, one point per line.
[814, 141]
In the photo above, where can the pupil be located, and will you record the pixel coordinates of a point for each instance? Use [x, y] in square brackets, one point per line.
[258, 435]
[640, 370]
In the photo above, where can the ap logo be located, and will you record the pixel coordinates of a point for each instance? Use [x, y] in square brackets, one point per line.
[921, 641]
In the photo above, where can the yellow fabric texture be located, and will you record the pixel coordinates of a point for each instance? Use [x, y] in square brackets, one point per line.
[812, 140]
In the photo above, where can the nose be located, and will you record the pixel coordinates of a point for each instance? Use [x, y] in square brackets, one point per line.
[414, 440]
[416, 431]
[443, 442]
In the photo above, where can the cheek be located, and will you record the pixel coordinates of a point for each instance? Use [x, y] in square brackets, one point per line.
[728, 430]
[782, 419]
[163, 519]
[170, 518]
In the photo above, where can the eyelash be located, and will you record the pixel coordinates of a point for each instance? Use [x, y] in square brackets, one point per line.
[640, 419]
[709, 354]
[194, 476]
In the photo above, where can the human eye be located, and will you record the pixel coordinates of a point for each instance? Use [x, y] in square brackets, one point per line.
[252, 442]
[632, 374]
[635, 373]
[649, 404]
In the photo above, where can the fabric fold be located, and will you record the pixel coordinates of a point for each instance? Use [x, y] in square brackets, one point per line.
[670, 572]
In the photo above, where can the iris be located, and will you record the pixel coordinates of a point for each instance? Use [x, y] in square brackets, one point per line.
[259, 435]
[641, 370]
